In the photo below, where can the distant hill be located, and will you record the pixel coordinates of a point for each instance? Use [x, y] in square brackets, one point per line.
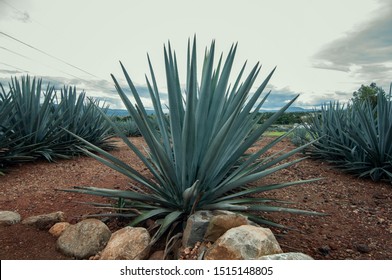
[123, 113]
[292, 109]
[117, 112]
[298, 109]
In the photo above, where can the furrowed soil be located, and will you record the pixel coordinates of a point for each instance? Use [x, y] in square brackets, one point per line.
[357, 224]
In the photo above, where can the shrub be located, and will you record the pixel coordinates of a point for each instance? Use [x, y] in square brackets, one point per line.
[355, 138]
[197, 157]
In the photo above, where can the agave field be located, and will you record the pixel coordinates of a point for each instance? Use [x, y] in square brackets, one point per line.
[33, 122]
[207, 153]
[356, 138]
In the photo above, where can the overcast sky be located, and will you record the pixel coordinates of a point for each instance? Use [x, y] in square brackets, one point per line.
[323, 50]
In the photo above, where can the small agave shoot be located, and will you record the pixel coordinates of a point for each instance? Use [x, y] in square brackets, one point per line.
[197, 157]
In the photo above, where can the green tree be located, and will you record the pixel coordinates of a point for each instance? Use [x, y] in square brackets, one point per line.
[367, 93]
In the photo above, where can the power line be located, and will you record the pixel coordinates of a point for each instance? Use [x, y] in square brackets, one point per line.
[53, 68]
[17, 68]
[11, 51]
[21, 55]
[9, 5]
[47, 54]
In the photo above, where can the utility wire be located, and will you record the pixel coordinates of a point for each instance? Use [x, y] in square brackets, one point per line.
[13, 7]
[9, 5]
[18, 54]
[41, 51]
[28, 58]
[21, 55]
[47, 54]
[17, 68]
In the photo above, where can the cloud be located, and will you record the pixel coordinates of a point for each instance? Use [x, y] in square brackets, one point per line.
[105, 91]
[366, 52]
[10, 72]
[278, 97]
[10, 11]
[22, 16]
[97, 89]
[281, 96]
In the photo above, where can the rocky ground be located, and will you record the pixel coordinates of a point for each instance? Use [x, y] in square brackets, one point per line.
[358, 224]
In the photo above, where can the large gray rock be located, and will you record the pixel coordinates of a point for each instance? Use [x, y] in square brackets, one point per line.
[244, 243]
[9, 218]
[221, 223]
[195, 228]
[128, 243]
[85, 239]
[44, 221]
[287, 256]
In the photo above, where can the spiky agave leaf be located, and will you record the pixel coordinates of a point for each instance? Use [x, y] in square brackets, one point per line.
[197, 156]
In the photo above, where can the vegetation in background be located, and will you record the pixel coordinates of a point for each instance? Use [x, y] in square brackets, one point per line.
[356, 137]
[287, 118]
[368, 93]
[32, 122]
[197, 157]
[126, 125]
[300, 135]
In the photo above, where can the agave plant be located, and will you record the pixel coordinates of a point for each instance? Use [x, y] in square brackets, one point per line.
[356, 138]
[81, 116]
[299, 135]
[32, 122]
[197, 157]
[8, 136]
[128, 127]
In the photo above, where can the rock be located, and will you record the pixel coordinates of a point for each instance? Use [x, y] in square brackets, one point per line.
[157, 255]
[44, 221]
[219, 224]
[57, 229]
[128, 243]
[286, 256]
[380, 196]
[244, 243]
[363, 248]
[324, 250]
[85, 239]
[95, 258]
[195, 228]
[202, 250]
[191, 253]
[9, 218]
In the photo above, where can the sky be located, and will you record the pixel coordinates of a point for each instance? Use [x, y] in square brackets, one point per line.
[323, 50]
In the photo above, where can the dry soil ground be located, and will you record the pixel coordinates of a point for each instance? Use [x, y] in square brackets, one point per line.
[358, 224]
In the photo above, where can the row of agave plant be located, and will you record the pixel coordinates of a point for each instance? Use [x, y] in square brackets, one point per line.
[198, 155]
[128, 126]
[355, 137]
[33, 120]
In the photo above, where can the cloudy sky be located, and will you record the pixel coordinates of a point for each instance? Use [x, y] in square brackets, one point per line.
[323, 50]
